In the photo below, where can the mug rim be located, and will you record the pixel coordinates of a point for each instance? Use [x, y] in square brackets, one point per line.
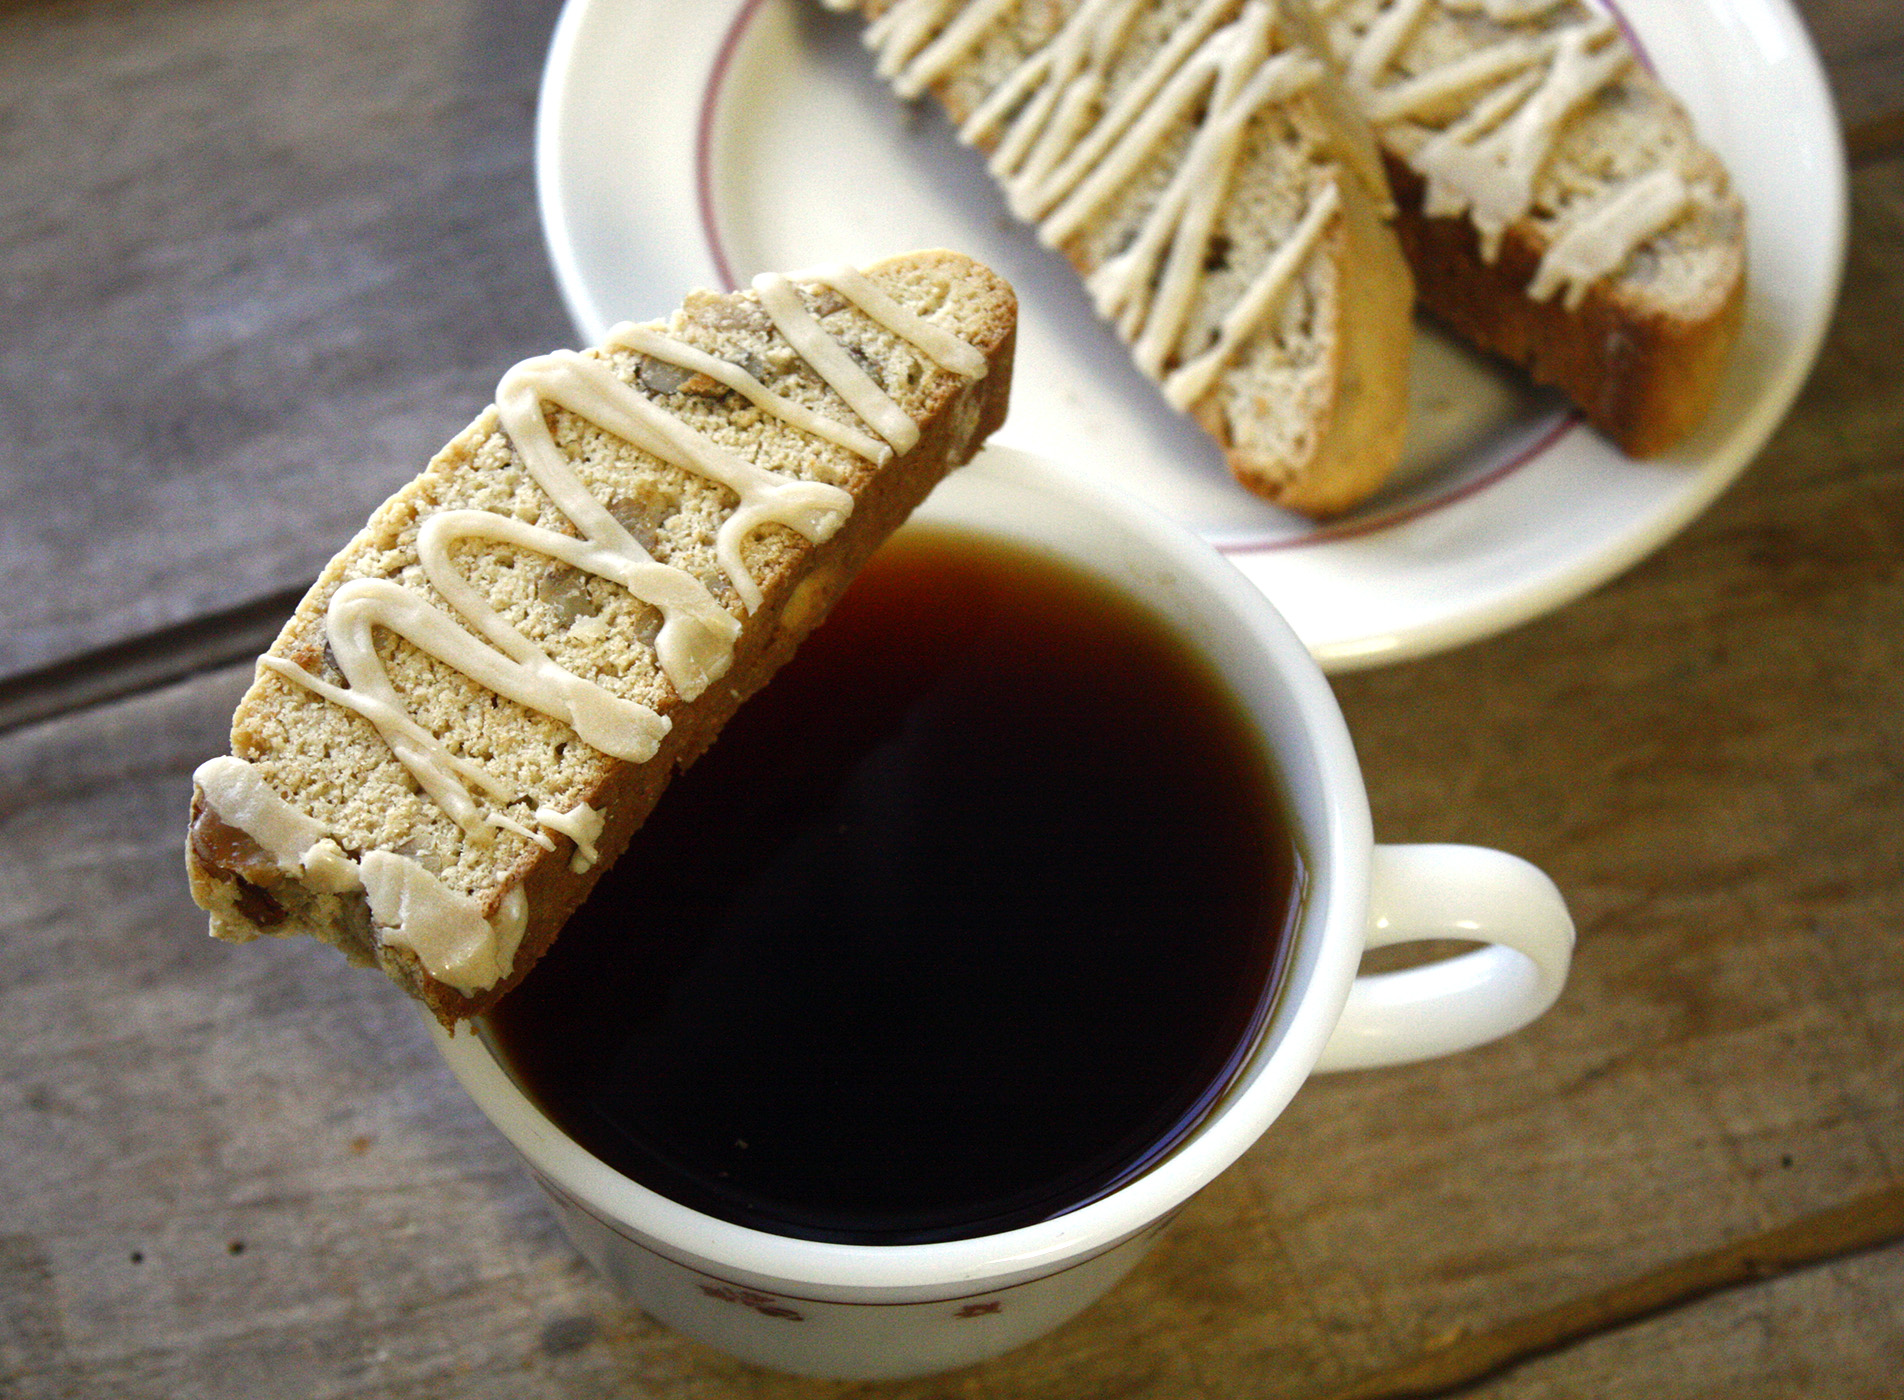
[1336, 837]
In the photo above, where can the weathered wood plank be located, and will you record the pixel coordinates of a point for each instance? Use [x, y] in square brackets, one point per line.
[235, 1172]
[262, 260]
[230, 1172]
[1836, 1330]
[1705, 753]
[142, 662]
[1458, 1362]
[1861, 43]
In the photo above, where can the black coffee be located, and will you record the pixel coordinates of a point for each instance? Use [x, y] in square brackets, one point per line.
[966, 919]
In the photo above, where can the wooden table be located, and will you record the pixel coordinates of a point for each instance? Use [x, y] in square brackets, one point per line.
[261, 258]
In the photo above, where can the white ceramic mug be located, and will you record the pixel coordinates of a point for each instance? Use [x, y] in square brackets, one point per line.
[869, 1311]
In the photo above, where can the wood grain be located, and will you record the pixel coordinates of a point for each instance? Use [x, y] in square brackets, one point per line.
[262, 258]
[262, 261]
[1458, 1362]
[1862, 45]
[234, 1166]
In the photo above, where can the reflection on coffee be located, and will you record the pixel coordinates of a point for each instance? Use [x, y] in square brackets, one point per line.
[966, 920]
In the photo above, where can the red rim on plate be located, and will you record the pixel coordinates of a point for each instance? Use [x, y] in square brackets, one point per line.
[1547, 433]
[1474, 539]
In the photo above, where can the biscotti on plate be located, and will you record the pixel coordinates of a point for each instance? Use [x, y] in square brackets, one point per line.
[1198, 163]
[485, 693]
[1556, 205]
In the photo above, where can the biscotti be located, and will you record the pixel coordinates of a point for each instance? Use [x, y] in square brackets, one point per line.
[1198, 164]
[1555, 202]
[486, 691]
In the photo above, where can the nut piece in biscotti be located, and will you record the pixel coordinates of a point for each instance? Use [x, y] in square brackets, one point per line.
[486, 691]
[1198, 163]
[1556, 205]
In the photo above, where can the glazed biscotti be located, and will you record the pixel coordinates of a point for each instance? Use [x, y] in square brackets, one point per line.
[1199, 165]
[486, 691]
[1556, 205]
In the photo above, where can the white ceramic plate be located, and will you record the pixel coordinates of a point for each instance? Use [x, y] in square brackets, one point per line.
[695, 145]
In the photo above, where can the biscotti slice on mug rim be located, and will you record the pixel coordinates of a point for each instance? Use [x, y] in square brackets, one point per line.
[1556, 203]
[486, 691]
[1198, 164]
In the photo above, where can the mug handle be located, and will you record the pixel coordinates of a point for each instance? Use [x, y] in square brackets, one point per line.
[1454, 892]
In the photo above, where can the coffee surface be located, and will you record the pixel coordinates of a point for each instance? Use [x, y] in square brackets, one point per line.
[964, 921]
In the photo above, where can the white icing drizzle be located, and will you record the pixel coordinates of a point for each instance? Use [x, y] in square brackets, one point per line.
[1507, 11]
[1486, 163]
[659, 347]
[1186, 385]
[1072, 164]
[582, 824]
[1380, 44]
[592, 390]
[410, 906]
[933, 59]
[1151, 304]
[235, 791]
[412, 909]
[415, 747]
[503, 822]
[933, 341]
[1065, 147]
[1604, 238]
[803, 331]
[1056, 76]
[1480, 69]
